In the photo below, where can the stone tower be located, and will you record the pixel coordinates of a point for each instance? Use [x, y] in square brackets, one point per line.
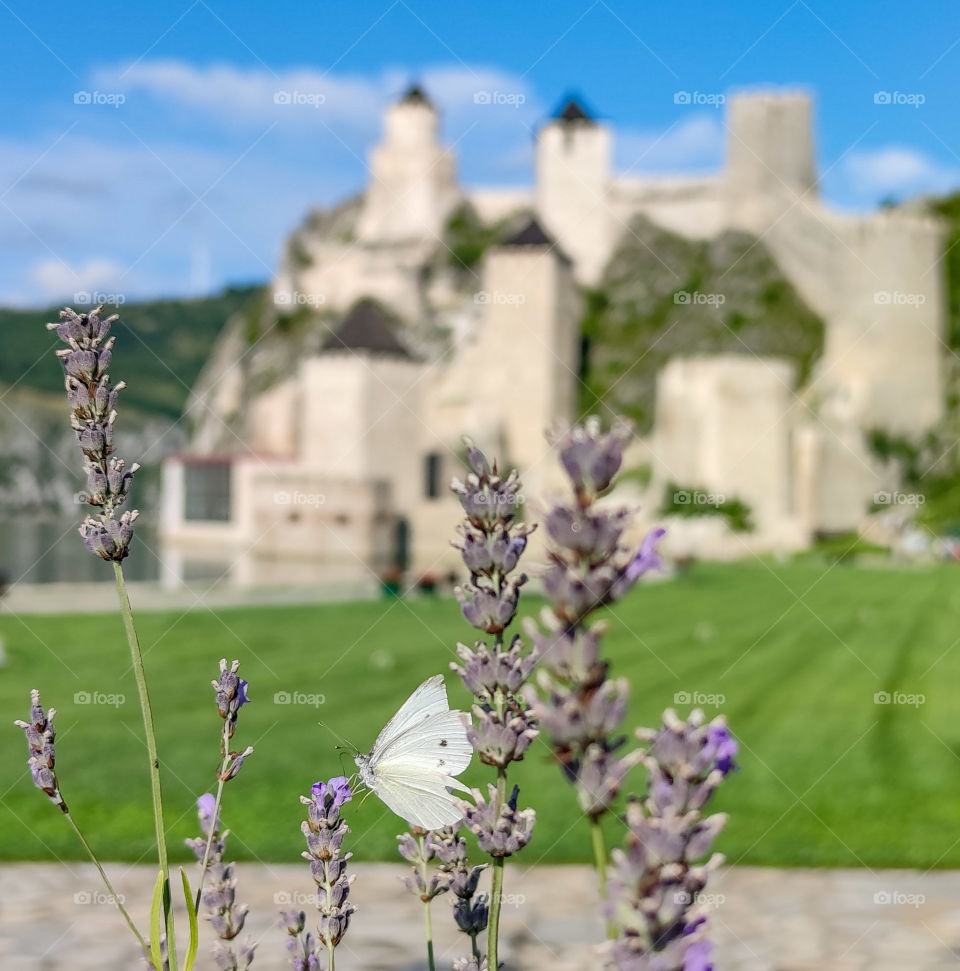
[413, 182]
[770, 157]
[573, 180]
[530, 324]
[359, 408]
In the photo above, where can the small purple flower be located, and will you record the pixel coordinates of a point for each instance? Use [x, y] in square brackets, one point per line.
[242, 698]
[699, 957]
[206, 808]
[647, 556]
[333, 795]
[724, 745]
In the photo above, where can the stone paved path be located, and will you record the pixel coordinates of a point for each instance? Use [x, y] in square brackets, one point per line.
[54, 919]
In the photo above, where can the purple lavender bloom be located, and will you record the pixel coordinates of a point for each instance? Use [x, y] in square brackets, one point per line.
[206, 807]
[231, 692]
[699, 957]
[92, 398]
[219, 893]
[591, 458]
[332, 795]
[40, 735]
[324, 831]
[647, 557]
[724, 745]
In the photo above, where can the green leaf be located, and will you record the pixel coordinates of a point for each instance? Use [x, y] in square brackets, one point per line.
[156, 919]
[192, 915]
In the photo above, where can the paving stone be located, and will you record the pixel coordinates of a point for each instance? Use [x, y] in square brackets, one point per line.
[55, 918]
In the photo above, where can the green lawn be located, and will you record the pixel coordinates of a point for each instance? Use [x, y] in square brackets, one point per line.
[828, 776]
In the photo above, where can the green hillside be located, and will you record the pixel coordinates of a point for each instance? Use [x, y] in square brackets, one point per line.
[164, 345]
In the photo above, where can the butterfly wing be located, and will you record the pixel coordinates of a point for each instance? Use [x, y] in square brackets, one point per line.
[422, 799]
[415, 758]
[429, 699]
[436, 744]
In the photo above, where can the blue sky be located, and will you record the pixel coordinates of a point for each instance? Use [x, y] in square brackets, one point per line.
[193, 180]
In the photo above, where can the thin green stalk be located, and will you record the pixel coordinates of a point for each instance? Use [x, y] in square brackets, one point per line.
[136, 658]
[106, 881]
[599, 855]
[496, 888]
[429, 929]
[428, 923]
[600, 865]
[330, 956]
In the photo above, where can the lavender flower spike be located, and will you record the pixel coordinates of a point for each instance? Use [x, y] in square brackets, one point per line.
[471, 910]
[657, 878]
[93, 398]
[219, 894]
[325, 830]
[40, 736]
[231, 692]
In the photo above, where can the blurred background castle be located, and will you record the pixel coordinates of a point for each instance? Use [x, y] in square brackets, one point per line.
[757, 339]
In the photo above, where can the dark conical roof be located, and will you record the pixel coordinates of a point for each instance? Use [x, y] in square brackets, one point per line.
[573, 111]
[532, 234]
[366, 328]
[416, 95]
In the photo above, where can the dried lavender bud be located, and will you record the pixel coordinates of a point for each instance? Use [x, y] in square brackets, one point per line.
[600, 775]
[92, 399]
[486, 671]
[40, 735]
[571, 653]
[471, 911]
[591, 533]
[591, 458]
[470, 964]
[687, 760]
[498, 834]
[301, 946]
[231, 692]
[491, 611]
[324, 831]
[219, 893]
[486, 497]
[420, 852]
[500, 739]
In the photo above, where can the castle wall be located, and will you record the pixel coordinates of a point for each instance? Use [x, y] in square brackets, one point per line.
[694, 208]
[493, 204]
[723, 426]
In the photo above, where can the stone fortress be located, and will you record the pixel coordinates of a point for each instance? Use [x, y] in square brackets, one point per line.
[328, 424]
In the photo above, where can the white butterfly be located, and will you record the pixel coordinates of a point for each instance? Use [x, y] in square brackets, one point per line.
[415, 758]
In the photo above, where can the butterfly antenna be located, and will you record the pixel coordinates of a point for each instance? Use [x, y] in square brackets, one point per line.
[347, 746]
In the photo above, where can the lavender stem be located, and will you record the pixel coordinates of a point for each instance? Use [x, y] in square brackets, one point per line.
[216, 811]
[428, 922]
[140, 676]
[106, 882]
[496, 885]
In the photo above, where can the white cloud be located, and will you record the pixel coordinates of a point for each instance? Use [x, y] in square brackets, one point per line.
[93, 281]
[694, 143]
[897, 170]
[302, 97]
